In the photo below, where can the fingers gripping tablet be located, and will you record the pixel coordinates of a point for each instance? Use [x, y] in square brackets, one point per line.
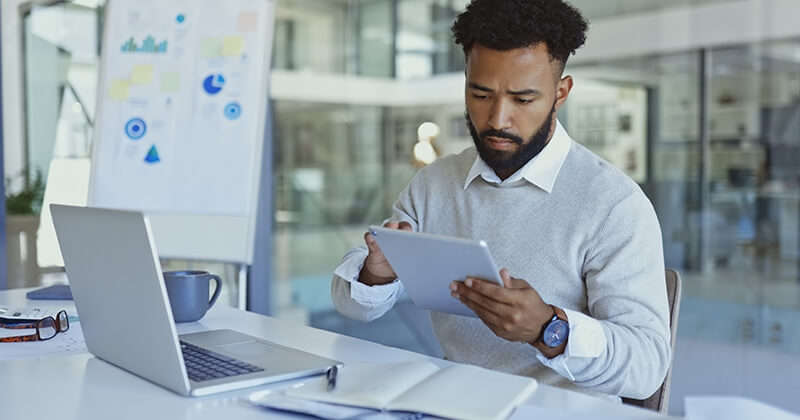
[426, 264]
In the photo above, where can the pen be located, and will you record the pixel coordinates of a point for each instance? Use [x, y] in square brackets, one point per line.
[331, 376]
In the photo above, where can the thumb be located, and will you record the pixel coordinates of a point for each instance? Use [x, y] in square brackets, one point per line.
[506, 278]
[513, 282]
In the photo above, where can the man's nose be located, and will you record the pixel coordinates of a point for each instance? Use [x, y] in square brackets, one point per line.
[500, 117]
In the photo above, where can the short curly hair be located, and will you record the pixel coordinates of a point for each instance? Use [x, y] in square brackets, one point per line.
[509, 24]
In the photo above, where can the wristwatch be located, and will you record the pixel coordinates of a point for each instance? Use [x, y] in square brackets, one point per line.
[554, 331]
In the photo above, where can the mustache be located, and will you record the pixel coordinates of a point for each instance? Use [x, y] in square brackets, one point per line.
[500, 134]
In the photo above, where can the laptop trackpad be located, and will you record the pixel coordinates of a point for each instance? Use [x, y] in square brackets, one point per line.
[249, 349]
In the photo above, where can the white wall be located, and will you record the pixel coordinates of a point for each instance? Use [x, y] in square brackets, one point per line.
[691, 28]
[360, 90]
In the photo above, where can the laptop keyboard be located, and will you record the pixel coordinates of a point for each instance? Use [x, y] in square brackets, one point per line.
[205, 365]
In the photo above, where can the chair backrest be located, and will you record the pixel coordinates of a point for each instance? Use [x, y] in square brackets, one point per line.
[658, 401]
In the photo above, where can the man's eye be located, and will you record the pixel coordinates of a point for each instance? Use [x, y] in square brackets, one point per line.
[524, 101]
[479, 96]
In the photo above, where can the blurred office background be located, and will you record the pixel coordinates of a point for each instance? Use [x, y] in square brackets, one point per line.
[698, 101]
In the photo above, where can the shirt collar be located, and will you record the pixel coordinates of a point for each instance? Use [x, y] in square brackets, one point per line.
[541, 171]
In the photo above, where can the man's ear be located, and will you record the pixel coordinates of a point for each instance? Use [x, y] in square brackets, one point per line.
[563, 88]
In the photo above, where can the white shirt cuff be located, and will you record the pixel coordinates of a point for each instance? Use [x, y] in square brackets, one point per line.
[349, 271]
[586, 340]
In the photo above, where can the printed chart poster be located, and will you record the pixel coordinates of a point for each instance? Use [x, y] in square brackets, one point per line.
[180, 110]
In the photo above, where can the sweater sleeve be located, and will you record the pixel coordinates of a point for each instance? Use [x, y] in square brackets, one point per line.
[626, 290]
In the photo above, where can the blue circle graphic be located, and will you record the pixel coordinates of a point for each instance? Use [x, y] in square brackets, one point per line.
[213, 84]
[180, 18]
[135, 128]
[233, 110]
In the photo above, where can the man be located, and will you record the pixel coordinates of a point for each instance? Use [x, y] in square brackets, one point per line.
[584, 304]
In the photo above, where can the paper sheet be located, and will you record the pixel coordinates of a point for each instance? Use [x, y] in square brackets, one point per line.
[732, 408]
[63, 344]
[276, 400]
[27, 313]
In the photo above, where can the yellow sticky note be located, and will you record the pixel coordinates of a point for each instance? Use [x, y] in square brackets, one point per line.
[120, 90]
[210, 47]
[142, 74]
[170, 81]
[232, 46]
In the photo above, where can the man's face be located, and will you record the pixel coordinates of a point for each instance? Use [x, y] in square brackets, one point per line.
[512, 97]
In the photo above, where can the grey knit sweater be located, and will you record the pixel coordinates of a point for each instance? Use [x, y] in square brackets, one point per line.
[590, 245]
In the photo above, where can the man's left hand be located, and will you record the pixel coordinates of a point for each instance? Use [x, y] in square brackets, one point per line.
[515, 312]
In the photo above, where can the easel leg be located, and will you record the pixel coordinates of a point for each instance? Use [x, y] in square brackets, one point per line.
[242, 287]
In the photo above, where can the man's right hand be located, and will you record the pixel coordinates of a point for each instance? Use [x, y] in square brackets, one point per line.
[376, 269]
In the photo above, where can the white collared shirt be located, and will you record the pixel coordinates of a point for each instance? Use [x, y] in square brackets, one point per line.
[541, 171]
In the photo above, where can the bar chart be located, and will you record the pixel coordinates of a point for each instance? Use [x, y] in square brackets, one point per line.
[148, 46]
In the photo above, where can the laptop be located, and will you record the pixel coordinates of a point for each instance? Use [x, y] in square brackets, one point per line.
[117, 286]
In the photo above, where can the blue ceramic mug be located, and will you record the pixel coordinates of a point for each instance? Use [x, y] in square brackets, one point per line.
[188, 293]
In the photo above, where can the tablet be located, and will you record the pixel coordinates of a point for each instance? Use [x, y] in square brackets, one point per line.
[426, 265]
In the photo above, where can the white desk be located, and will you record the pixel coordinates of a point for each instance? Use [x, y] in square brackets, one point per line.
[81, 386]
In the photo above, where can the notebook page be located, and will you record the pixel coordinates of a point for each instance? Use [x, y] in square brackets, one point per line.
[467, 392]
[366, 385]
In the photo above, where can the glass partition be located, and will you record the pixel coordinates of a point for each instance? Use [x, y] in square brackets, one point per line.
[313, 36]
[643, 115]
[402, 39]
[60, 47]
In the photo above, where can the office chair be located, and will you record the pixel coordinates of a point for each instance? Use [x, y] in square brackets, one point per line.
[658, 401]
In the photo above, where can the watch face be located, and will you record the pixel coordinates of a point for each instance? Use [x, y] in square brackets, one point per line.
[555, 333]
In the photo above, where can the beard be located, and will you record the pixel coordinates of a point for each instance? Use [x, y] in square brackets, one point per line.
[502, 161]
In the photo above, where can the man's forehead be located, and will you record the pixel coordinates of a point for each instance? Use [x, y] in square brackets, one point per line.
[528, 57]
[519, 66]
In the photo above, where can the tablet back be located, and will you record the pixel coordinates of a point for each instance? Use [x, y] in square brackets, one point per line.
[426, 264]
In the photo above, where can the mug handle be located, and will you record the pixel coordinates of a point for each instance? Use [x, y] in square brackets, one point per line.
[217, 289]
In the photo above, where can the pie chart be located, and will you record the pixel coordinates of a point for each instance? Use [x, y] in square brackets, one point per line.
[213, 84]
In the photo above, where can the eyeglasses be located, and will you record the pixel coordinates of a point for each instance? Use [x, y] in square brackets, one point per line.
[46, 328]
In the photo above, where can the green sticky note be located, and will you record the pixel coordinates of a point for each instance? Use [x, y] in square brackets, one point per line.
[210, 47]
[170, 81]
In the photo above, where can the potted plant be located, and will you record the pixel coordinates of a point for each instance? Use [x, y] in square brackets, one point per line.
[22, 222]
